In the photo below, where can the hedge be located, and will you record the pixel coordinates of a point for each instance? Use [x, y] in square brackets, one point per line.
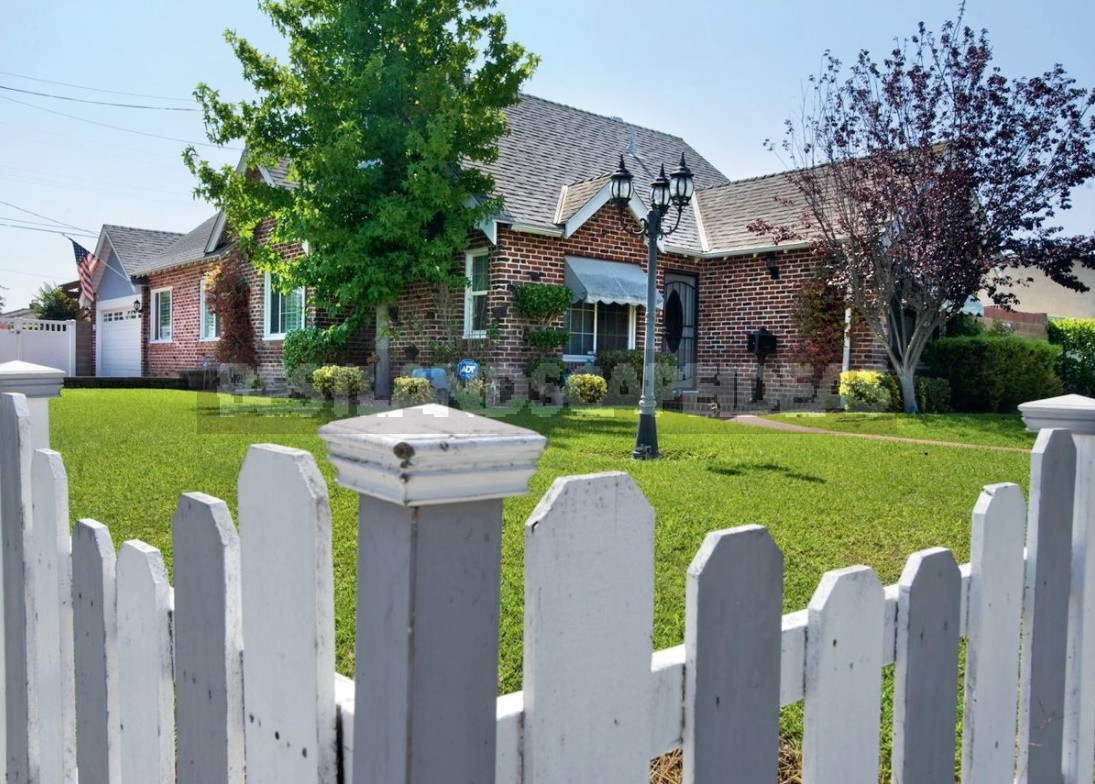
[1076, 365]
[994, 374]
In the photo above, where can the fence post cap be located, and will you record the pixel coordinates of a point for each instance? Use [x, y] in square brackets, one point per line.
[30, 379]
[432, 454]
[1074, 413]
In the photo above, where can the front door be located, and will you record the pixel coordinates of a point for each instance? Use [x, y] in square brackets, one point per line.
[680, 325]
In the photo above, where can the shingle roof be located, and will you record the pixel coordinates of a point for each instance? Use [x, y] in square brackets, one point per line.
[136, 246]
[187, 249]
[550, 145]
[574, 195]
[726, 210]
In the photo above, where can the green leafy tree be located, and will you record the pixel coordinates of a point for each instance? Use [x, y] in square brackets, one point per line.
[51, 302]
[379, 118]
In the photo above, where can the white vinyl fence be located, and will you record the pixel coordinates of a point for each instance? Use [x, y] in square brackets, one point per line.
[229, 676]
[39, 341]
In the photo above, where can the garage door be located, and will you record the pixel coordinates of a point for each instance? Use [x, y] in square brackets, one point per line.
[120, 342]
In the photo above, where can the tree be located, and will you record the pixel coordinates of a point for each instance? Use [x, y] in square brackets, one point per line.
[380, 115]
[51, 302]
[924, 175]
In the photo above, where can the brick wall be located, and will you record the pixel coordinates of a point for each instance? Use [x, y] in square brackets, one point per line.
[186, 349]
[735, 296]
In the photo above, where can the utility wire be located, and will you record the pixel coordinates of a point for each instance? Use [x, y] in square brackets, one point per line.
[48, 231]
[97, 89]
[118, 127]
[45, 217]
[100, 103]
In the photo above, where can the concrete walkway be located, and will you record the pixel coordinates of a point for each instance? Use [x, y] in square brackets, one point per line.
[751, 420]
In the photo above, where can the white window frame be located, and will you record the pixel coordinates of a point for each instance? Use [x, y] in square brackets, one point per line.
[203, 336]
[156, 332]
[267, 291]
[470, 295]
[631, 321]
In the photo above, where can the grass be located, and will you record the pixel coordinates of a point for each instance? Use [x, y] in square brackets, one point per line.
[829, 502]
[984, 429]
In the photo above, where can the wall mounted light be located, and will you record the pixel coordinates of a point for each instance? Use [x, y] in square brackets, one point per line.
[137, 305]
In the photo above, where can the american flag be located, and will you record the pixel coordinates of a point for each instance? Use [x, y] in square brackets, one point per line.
[86, 264]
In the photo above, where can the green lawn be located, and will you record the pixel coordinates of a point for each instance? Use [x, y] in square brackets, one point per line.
[829, 502]
[985, 429]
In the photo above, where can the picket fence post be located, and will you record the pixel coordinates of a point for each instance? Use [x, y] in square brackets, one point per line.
[733, 613]
[992, 628]
[589, 616]
[208, 642]
[431, 481]
[38, 383]
[287, 581]
[1076, 414]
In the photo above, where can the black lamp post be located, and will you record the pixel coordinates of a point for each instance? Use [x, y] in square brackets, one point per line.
[676, 191]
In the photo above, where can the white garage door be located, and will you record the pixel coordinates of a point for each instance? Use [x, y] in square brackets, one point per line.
[120, 342]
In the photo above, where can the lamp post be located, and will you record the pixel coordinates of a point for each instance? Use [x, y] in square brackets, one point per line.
[676, 191]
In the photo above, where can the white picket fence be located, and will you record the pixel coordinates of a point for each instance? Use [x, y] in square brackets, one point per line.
[229, 676]
[39, 341]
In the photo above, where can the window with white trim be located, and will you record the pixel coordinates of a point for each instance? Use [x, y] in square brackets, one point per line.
[598, 326]
[477, 270]
[210, 321]
[161, 316]
[284, 312]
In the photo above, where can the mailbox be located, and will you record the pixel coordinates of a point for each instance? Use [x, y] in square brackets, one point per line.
[762, 343]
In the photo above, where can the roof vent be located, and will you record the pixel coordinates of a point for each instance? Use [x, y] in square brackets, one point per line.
[617, 119]
[632, 145]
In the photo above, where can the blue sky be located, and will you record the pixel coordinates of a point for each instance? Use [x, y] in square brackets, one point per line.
[722, 75]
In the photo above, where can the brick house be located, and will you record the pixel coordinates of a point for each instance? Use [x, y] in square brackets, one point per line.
[151, 317]
[558, 226]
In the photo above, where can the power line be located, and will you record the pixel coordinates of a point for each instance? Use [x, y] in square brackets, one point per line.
[119, 128]
[96, 89]
[44, 217]
[100, 103]
[49, 231]
[24, 272]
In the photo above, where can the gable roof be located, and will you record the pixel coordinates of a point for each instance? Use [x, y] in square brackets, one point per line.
[135, 246]
[189, 248]
[727, 210]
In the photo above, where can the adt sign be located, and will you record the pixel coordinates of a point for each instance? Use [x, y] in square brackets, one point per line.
[467, 369]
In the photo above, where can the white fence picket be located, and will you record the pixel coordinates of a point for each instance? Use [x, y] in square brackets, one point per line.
[288, 618]
[21, 633]
[95, 627]
[992, 625]
[52, 560]
[589, 599]
[1080, 678]
[734, 604]
[926, 672]
[208, 643]
[843, 679]
[1045, 607]
[147, 695]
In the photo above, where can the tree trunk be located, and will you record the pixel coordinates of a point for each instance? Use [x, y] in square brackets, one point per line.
[906, 376]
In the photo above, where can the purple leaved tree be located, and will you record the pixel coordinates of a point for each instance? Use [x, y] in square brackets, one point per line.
[930, 176]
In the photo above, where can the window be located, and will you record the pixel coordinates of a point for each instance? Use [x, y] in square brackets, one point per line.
[284, 312]
[211, 322]
[161, 316]
[477, 269]
[597, 326]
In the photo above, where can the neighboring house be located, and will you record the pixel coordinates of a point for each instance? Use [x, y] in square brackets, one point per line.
[719, 281]
[1043, 296]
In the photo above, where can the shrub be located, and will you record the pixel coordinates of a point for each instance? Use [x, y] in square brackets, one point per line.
[546, 340]
[627, 388]
[585, 388]
[228, 294]
[407, 391]
[1076, 364]
[304, 350]
[897, 397]
[469, 395]
[994, 374]
[933, 395]
[541, 302]
[864, 390]
[341, 381]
